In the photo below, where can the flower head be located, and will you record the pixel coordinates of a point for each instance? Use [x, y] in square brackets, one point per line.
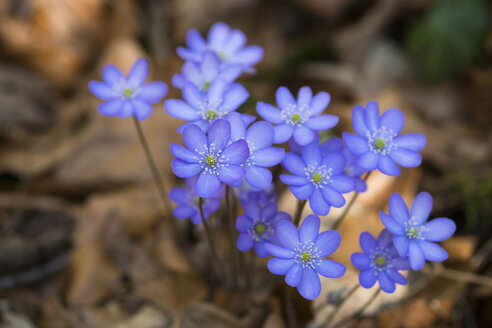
[204, 108]
[211, 157]
[379, 262]
[228, 44]
[257, 226]
[413, 235]
[259, 137]
[203, 73]
[299, 255]
[336, 145]
[127, 95]
[188, 202]
[246, 194]
[322, 180]
[378, 143]
[297, 118]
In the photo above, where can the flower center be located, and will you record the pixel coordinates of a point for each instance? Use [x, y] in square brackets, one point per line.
[412, 232]
[379, 144]
[210, 160]
[306, 256]
[380, 261]
[317, 177]
[293, 115]
[221, 55]
[259, 229]
[211, 115]
[381, 141]
[127, 93]
[196, 200]
[296, 118]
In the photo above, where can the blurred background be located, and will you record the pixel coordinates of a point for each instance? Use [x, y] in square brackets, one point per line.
[83, 240]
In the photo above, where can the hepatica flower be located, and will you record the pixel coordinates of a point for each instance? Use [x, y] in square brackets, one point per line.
[259, 137]
[413, 235]
[257, 226]
[127, 95]
[210, 157]
[228, 44]
[189, 203]
[297, 118]
[203, 73]
[299, 255]
[246, 194]
[378, 143]
[336, 145]
[322, 180]
[379, 262]
[204, 108]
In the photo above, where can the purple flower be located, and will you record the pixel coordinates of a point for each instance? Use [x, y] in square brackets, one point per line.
[228, 44]
[377, 142]
[188, 202]
[203, 108]
[259, 137]
[336, 145]
[300, 254]
[246, 194]
[413, 235]
[379, 262]
[203, 73]
[127, 96]
[257, 226]
[210, 157]
[320, 179]
[297, 118]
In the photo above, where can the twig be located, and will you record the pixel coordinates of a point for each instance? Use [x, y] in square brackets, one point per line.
[347, 208]
[339, 305]
[359, 313]
[465, 277]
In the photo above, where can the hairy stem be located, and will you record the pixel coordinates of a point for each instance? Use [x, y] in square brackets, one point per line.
[360, 312]
[339, 305]
[297, 216]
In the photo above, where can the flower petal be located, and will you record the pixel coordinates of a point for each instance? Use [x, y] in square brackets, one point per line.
[269, 112]
[185, 170]
[260, 134]
[153, 92]
[342, 183]
[358, 121]
[332, 197]
[421, 208]
[371, 115]
[183, 153]
[439, 229]
[219, 134]
[322, 123]
[387, 166]
[367, 278]
[293, 179]
[244, 242]
[401, 244]
[392, 119]
[310, 285]
[311, 153]
[335, 161]
[411, 141]
[406, 157]
[308, 231]
[194, 139]
[142, 109]
[284, 98]
[294, 275]
[328, 242]
[294, 164]
[319, 102]
[112, 75]
[138, 72]
[318, 203]
[432, 251]
[193, 96]
[287, 234]
[179, 109]
[391, 224]
[111, 107]
[398, 209]
[234, 97]
[243, 223]
[386, 284]
[268, 157]
[280, 265]
[279, 251]
[230, 174]
[369, 161]
[303, 135]
[207, 185]
[258, 177]
[396, 277]
[330, 268]
[302, 192]
[367, 242]
[360, 261]
[101, 90]
[282, 133]
[415, 256]
[355, 144]
[236, 153]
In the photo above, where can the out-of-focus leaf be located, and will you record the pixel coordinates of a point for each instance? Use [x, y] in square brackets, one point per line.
[449, 39]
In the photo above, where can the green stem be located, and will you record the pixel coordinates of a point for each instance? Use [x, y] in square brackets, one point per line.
[347, 208]
[359, 313]
[339, 305]
[234, 252]
[211, 245]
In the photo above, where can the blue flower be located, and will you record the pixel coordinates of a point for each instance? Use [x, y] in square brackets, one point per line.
[209, 156]
[300, 254]
[257, 226]
[379, 262]
[259, 137]
[228, 44]
[203, 108]
[202, 74]
[413, 235]
[320, 179]
[377, 142]
[127, 96]
[336, 145]
[188, 202]
[246, 194]
[297, 118]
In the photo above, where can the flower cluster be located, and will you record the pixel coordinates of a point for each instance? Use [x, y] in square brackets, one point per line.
[223, 146]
